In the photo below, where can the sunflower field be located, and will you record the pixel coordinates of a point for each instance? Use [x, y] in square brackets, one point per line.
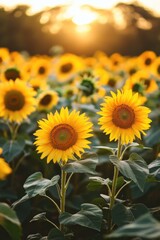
[79, 146]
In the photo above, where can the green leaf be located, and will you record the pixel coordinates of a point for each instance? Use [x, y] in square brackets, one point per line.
[21, 200]
[10, 222]
[145, 226]
[121, 215]
[102, 181]
[39, 217]
[89, 216]
[135, 168]
[87, 165]
[55, 234]
[13, 148]
[153, 137]
[93, 185]
[112, 150]
[134, 144]
[37, 185]
[36, 236]
[154, 168]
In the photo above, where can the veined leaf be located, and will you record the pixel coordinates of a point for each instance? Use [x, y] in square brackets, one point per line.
[145, 226]
[37, 185]
[87, 165]
[89, 216]
[135, 168]
[10, 222]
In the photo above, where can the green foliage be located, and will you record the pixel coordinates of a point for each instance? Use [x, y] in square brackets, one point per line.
[89, 216]
[122, 215]
[87, 165]
[13, 148]
[10, 222]
[135, 168]
[145, 226]
[37, 185]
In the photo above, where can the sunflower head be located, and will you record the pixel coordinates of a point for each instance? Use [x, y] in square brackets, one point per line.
[123, 117]
[87, 83]
[16, 100]
[5, 169]
[62, 136]
[47, 99]
[12, 74]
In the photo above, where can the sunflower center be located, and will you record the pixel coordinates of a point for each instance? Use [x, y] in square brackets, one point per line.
[132, 71]
[148, 61]
[112, 82]
[137, 87]
[147, 82]
[63, 136]
[12, 74]
[158, 69]
[87, 87]
[65, 68]
[123, 116]
[14, 100]
[41, 70]
[46, 100]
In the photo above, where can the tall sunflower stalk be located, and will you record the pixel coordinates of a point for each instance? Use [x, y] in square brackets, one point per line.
[124, 119]
[61, 137]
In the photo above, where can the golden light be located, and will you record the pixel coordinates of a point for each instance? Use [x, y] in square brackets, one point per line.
[41, 5]
[84, 16]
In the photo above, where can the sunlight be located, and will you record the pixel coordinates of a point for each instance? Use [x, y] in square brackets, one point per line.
[83, 16]
[41, 5]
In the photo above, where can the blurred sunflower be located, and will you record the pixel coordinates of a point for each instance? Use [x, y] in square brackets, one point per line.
[67, 66]
[146, 58]
[131, 66]
[4, 167]
[4, 56]
[47, 100]
[116, 61]
[16, 59]
[63, 135]
[141, 82]
[38, 83]
[155, 67]
[11, 73]
[16, 100]
[123, 117]
[41, 67]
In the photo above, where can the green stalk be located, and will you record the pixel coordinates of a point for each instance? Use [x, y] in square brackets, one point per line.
[63, 193]
[114, 186]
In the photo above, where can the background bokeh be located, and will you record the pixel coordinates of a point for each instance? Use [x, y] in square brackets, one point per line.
[81, 28]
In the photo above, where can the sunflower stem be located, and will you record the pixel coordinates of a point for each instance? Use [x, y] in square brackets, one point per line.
[13, 127]
[114, 186]
[63, 194]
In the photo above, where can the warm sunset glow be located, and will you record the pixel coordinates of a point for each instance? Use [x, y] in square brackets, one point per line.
[40, 5]
[83, 16]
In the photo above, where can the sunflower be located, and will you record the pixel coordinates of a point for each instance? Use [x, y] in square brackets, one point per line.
[63, 135]
[16, 100]
[155, 67]
[47, 99]
[4, 56]
[142, 82]
[4, 169]
[146, 58]
[41, 67]
[67, 66]
[123, 117]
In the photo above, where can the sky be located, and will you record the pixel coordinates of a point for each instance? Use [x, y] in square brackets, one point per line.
[107, 4]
